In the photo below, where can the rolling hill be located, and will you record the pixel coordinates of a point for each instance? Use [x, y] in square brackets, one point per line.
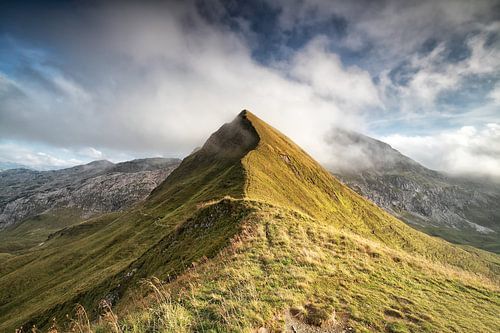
[250, 233]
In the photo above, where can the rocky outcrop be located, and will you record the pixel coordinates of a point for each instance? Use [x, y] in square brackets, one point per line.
[419, 196]
[94, 188]
[425, 201]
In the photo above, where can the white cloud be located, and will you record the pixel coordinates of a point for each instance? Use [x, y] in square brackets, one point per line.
[350, 86]
[466, 150]
[160, 86]
[91, 153]
[433, 74]
[6, 85]
[71, 89]
[495, 94]
[158, 79]
[44, 157]
[21, 154]
[396, 27]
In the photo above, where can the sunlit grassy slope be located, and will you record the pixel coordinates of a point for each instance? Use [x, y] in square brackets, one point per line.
[307, 239]
[282, 174]
[98, 258]
[251, 232]
[284, 261]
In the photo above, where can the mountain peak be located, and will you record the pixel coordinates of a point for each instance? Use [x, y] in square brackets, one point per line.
[251, 208]
[214, 170]
[233, 140]
[243, 113]
[247, 159]
[362, 153]
[98, 163]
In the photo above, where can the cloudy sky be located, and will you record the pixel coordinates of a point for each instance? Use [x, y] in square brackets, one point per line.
[81, 81]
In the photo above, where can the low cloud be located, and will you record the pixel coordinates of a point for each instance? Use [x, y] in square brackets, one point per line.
[135, 80]
[163, 79]
[44, 157]
[467, 150]
[33, 158]
[351, 152]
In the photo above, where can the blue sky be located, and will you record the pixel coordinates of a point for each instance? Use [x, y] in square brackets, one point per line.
[117, 80]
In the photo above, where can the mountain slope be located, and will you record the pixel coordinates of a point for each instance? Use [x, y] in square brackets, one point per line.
[99, 258]
[308, 242]
[282, 174]
[250, 232]
[33, 204]
[457, 209]
[283, 264]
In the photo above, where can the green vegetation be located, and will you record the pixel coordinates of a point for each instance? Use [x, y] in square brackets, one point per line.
[461, 198]
[34, 231]
[283, 175]
[488, 242]
[284, 260]
[251, 232]
[101, 257]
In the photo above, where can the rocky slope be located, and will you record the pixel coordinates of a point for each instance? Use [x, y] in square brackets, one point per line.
[94, 188]
[458, 209]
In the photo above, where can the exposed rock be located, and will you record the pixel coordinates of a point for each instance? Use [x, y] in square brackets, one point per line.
[97, 187]
[419, 196]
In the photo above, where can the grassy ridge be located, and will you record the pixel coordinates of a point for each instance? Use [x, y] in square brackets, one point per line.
[309, 242]
[93, 260]
[282, 174]
[284, 261]
[246, 231]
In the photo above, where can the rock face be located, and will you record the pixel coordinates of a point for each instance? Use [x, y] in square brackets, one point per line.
[91, 189]
[456, 208]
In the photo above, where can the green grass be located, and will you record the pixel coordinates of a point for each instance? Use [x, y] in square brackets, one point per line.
[484, 216]
[284, 260]
[34, 231]
[488, 242]
[300, 183]
[94, 259]
[244, 230]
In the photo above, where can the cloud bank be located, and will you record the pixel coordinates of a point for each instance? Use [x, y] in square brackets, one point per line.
[123, 80]
[467, 150]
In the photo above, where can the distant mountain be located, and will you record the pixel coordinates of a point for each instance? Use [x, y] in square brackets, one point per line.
[459, 209]
[11, 165]
[250, 234]
[85, 190]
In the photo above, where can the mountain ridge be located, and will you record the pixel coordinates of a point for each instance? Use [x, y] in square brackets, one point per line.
[457, 209]
[45, 190]
[34, 204]
[257, 237]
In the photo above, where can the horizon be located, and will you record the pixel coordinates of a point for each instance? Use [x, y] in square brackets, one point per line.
[84, 81]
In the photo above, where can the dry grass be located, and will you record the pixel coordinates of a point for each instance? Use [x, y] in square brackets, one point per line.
[264, 272]
[294, 237]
